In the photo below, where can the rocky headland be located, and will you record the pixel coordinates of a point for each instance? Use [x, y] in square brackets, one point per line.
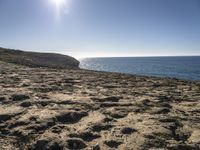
[35, 59]
[67, 108]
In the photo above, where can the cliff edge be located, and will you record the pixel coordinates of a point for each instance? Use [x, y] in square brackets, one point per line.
[34, 59]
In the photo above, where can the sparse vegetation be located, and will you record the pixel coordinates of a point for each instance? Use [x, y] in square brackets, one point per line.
[33, 59]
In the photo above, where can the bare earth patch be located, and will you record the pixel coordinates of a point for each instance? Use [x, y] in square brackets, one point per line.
[50, 109]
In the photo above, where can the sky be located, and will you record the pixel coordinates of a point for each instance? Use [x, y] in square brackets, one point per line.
[102, 28]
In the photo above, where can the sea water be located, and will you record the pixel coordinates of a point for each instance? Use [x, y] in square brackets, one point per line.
[177, 67]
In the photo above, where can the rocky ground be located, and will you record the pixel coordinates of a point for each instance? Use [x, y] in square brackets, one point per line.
[49, 109]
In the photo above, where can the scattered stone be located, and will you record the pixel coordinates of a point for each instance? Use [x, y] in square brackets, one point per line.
[26, 104]
[153, 141]
[111, 99]
[127, 130]
[113, 143]
[136, 110]
[109, 104]
[108, 119]
[96, 147]
[107, 99]
[57, 129]
[100, 127]
[71, 117]
[86, 136]
[2, 98]
[160, 110]
[33, 118]
[16, 123]
[184, 147]
[43, 103]
[18, 133]
[19, 97]
[45, 124]
[118, 115]
[4, 117]
[4, 131]
[75, 144]
[47, 145]
[163, 98]
[164, 104]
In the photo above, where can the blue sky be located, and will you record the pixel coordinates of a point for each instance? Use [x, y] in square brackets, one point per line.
[92, 28]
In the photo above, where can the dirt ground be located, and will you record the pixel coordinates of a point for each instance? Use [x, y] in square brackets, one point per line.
[49, 109]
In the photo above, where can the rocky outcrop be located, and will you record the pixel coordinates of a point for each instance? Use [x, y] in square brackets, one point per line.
[49, 109]
[33, 59]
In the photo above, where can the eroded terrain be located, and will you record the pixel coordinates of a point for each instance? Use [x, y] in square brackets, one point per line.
[77, 109]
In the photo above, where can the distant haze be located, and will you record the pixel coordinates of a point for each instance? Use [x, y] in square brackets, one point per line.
[102, 28]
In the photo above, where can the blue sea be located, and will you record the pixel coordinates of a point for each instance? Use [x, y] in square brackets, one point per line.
[177, 67]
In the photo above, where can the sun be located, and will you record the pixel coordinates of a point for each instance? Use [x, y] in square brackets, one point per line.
[59, 3]
[60, 7]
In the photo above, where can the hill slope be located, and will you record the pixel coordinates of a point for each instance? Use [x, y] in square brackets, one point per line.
[33, 59]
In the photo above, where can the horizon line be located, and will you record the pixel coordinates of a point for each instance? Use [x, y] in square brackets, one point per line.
[140, 56]
[77, 57]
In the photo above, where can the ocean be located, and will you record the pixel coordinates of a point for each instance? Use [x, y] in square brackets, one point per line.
[177, 67]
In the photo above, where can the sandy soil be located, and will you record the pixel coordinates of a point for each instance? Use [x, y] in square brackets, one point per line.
[49, 109]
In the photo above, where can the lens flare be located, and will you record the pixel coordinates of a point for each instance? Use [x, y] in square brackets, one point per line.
[61, 8]
[59, 3]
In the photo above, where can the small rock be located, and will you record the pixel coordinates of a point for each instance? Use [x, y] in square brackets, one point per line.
[2, 98]
[107, 99]
[107, 119]
[45, 124]
[96, 147]
[184, 147]
[26, 104]
[44, 102]
[163, 98]
[100, 127]
[18, 133]
[4, 131]
[86, 136]
[113, 143]
[47, 145]
[75, 143]
[40, 145]
[161, 111]
[128, 130]
[56, 129]
[71, 117]
[19, 97]
[136, 110]
[118, 115]
[164, 110]
[4, 117]
[16, 123]
[112, 99]
[33, 118]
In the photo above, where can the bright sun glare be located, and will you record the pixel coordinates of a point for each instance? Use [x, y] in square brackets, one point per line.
[58, 3]
[61, 7]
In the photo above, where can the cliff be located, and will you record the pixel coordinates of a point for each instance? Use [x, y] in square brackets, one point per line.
[34, 59]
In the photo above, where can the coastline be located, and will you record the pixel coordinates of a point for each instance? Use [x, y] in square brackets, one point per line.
[186, 68]
[143, 75]
[86, 109]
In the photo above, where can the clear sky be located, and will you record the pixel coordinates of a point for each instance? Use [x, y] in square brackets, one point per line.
[87, 28]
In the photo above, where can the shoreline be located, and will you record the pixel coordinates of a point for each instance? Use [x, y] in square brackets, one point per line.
[186, 68]
[43, 108]
[139, 75]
